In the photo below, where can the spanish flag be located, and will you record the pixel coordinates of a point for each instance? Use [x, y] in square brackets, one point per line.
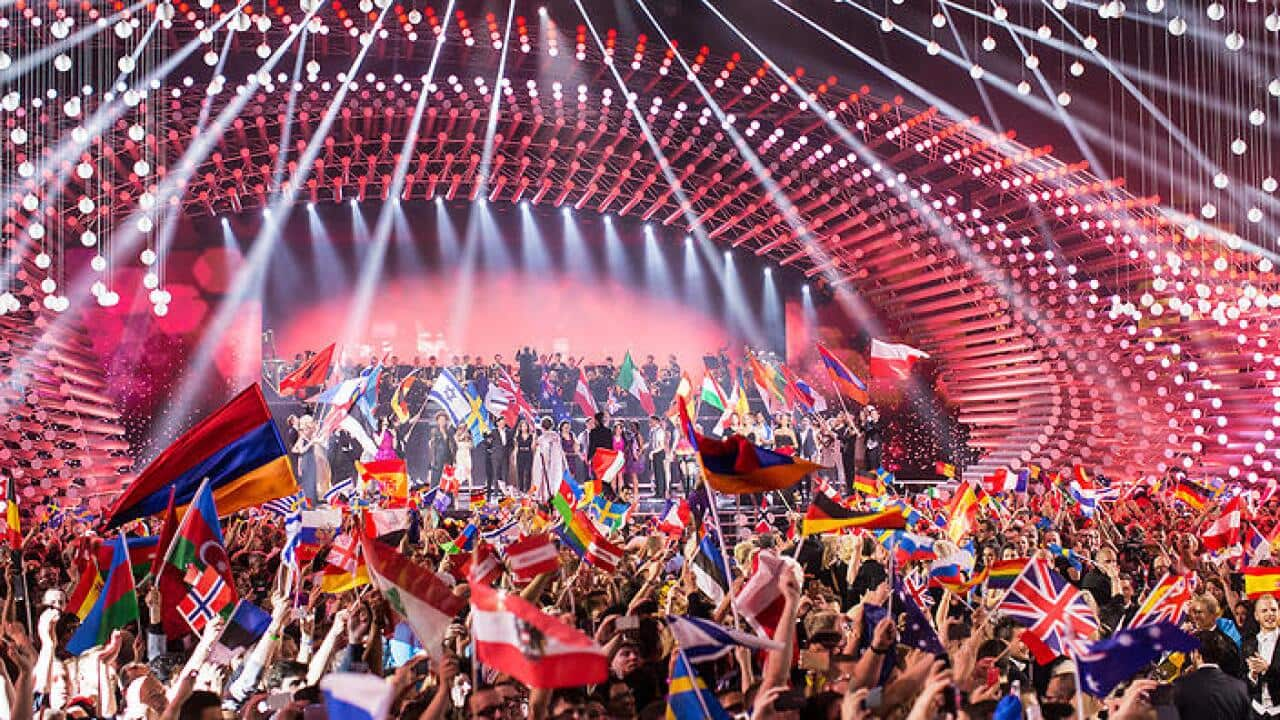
[237, 449]
[963, 508]
[1259, 581]
[826, 515]
[390, 476]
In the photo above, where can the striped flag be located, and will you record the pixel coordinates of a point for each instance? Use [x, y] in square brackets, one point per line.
[702, 640]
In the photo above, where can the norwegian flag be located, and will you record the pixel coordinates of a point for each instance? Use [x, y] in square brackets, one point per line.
[531, 556]
[1051, 609]
[208, 596]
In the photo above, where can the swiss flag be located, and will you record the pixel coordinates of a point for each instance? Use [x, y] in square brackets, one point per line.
[516, 638]
[1226, 531]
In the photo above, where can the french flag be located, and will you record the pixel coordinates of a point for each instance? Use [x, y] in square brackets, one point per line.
[893, 360]
[356, 696]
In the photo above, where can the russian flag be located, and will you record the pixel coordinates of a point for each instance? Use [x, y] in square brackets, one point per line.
[356, 696]
[238, 449]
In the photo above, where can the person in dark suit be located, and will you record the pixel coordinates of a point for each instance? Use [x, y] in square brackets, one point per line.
[1261, 659]
[498, 443]
[600, 436]
[1207, 691]
[441, 448]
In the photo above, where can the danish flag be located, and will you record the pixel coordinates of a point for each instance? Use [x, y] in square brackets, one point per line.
[1052, 610]
[208, 596]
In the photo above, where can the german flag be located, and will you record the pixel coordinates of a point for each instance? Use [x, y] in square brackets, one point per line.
[869, 485]
[1195, 496]
[1259, 581]
[826, 515]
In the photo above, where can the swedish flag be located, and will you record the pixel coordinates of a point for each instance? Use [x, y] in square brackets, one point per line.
[688, 697]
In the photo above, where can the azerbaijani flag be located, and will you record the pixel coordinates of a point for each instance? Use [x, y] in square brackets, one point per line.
[843, 378]
[196, 542]
[142, 553]
[826, 515]
[115, 608]
[237, 449]
[1002, 573]
[1259, 581]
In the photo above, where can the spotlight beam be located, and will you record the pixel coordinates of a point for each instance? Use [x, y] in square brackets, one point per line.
[286, 132]
[491, 125]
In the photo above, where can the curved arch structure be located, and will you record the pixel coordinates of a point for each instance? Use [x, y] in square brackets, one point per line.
[1075, 323]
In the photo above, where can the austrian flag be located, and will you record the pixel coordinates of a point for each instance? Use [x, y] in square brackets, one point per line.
[532, 556]
[516, 638]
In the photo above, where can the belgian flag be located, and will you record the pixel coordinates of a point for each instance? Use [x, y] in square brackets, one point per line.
[826, 515]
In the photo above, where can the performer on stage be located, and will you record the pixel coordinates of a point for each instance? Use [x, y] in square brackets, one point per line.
[548, 461]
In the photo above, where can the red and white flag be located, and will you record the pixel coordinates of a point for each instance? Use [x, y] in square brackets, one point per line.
[416, 593]
[380, 522]
[516, 638]
[208, 596]
[504, 398]
[1226, 531]
[606, 465]
[486, 567]
[760, 601]
[582, 394]
[531, 556]
[603, 554]
[893, 360]
[676, 517]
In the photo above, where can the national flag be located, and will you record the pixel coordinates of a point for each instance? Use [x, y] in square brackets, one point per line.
[843, 378]
[340, 492]
[116, 606]
[768, 384]
[1052, 609]
[464, 542]
[515, 638]
[606, 465]
[209, 595]
[452, 396]
[1066, 554]
[1001, 481]
[632, 381]
[736, 467]
[1256, 547]
[503, 535]
[917, 631]
[609, 514]
[683, 396]
[1106, 663]
[505, 398]
[688, 697]
[893, 360]
[245, 627]
[702, 640]
[477, 420]
[1196, 496]
[1225, 531]
[826, 515]
[316, 529]
[11, 533]
[478, 499]
[390, 476]
[486, 567]
[710, 570]
[908, 547]
[367, 399]
[582, 396]
[384, 522]
[1259, 581]
[283, 507]
[760, 602]
[675, 517]
[866, 485]
[345, 567]
[88, 585]
[710, 393]
[917, 587]
[581, 535]
[237, 450]
[946, 470]
[311, 373]
[197, 541]
[958, 585]
[416, 593]
[571, 491]
[142, 554]
[356, 696]
[531, 556]
[1002, 573]
[1166, 602]
[964, 507]
[400, 398]
[815, 401]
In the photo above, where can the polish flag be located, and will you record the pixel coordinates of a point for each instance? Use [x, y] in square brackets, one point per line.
[531, 556]
[1226, 531]
[893, 360]
[416, 593]
[582, 394]
[516, 638]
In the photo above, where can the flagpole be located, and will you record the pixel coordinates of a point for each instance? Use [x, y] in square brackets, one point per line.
[168, 553]
[128, 566]
[693, 680]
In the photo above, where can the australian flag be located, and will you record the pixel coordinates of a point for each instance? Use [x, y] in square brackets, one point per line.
[917, 631]
[1107, 663]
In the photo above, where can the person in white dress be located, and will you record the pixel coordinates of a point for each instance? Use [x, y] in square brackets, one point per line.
[462, 459]
[548, 461]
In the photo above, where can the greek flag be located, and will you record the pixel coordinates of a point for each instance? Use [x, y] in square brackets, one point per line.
[702, 640]
[340, 490]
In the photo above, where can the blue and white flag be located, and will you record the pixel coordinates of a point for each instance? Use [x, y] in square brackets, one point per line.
[503, 535]
[450, 395]
[338, 491]
[1106, 663]
[702, 640]
[356, 696]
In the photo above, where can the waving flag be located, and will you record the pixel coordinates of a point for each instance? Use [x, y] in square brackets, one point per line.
[769, 385]
[246, 625]
[843, 378]
[826, 515]
[710, 570]
[197, 541]
[1002, 573]
[1225, 531]
[311, 373]
[531, 556]
[88, 586]
[400, 398]
[11, 532]
[632, 381]
[416, 593]
[893, 360]
[356, 696]
[116, 606]
[917, 631]
[208, 596]
[582, 396]
[702, 640]
[345, 567]
[606, 465]
[760, 602]
[1052, 610]
[516, 638]
[710, 393]
[964, 508]
[736, 467]
[1259, 581]
[390, 477]
[688, 697]
[1107, 663]
[612, 515]
[1196, 496]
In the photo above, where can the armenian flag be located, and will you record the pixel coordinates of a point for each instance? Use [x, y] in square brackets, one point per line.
[237, 448]
[843, 378]
[736, 467]
[11, 533]
[1259, 581]
[1196, 496]
[1002, 573]
[115, 608]
[826, 515]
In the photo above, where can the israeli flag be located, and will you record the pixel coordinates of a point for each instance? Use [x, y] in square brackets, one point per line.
[356, 696]
[449, 394]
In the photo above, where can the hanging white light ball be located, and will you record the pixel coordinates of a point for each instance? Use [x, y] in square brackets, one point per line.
[85, 206]
[1177, 27]
[62, 63]
[48, 301]
[1209, 211]
[1238, 146]
[1274, 87]
[108, 298]
[18, 135]
[61, 303]
[211, 58]
[1221, 180]
[1273, 22]
[97, 288]
[988, 43]
[98, 263]
[1024, 88]
[1215, 11]
[1155, 6]
[1064, 98]
[976, 72]
[1077, 68]
[1000, 13]
[1045, 32]
[1234, 41]
[30, 202]
[88, 238]
[1257, 117]
[35, 230]
[48, 285]
[264, 51]
[1032, 61]
[148, 257]
[933, 48]
[5, 60]
[43, 261]
[886, 24]
[84, 171]
[161, 310]
[150, 281]
[126, 64]
[1254, 215]
[939, 20]
[1270, 184]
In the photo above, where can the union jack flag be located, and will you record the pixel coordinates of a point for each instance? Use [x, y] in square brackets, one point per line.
[917, 589]
[1053, 611]
[208, 596]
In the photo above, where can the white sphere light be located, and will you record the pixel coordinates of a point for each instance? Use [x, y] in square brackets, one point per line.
[98, 263]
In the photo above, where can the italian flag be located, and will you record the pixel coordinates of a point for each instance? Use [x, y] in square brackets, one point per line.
[630, 379]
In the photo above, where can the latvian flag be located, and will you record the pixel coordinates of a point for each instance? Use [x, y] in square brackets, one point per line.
[531, 556]
[516, 638]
